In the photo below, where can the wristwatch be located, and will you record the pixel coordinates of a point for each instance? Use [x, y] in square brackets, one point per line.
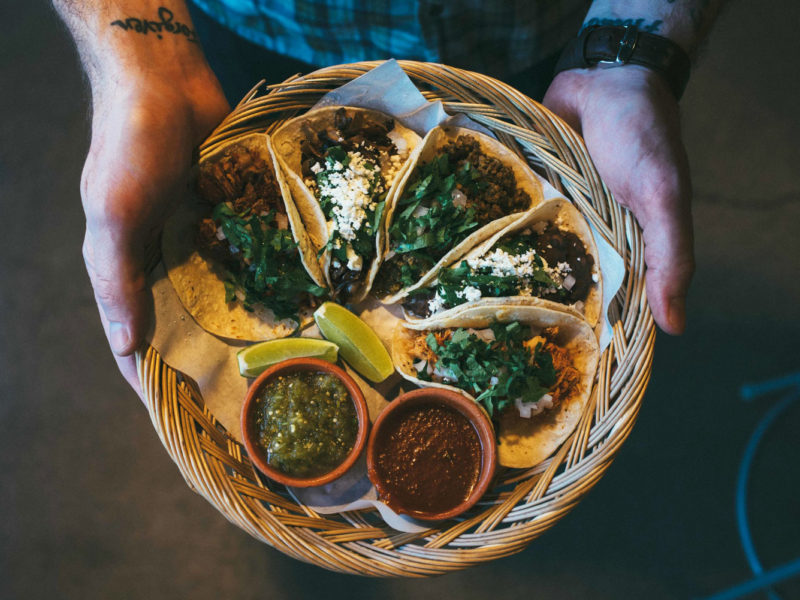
[610, 46]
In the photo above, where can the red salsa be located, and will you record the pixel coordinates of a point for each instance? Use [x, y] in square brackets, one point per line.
[428, 458]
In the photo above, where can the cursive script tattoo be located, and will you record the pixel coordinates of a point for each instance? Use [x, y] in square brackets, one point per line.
[652, 27]
[165, 24]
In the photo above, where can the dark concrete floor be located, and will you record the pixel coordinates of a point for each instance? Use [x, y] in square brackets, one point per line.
[94, 508]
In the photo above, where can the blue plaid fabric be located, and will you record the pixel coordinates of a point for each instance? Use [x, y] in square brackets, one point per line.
[498, 38]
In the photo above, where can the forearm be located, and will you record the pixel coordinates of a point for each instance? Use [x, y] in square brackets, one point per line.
[126, 40]
[685, 22]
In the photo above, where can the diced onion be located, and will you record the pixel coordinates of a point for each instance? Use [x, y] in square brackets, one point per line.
[530, 409]
[524, 408]
[398, 140]
[421, 211]
[487, 335]
[569, 282]
[459, 198]
[419, 366]
[445, 374]
[220, 234]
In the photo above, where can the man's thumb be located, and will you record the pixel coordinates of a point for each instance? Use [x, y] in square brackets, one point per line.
[117, 275]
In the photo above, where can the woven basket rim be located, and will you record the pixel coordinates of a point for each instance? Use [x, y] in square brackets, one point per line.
[527, 502]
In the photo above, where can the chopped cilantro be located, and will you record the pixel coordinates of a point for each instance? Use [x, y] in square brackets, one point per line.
[495, 372]
[428, 219]
[273, 274]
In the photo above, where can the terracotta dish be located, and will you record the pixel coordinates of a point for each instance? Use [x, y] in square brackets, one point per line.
[431, 454]
[249, 422]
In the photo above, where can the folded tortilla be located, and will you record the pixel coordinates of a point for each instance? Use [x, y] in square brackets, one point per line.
[288, 142]
[522, 442]
[199, 282]
[567, 218]
[432, 146]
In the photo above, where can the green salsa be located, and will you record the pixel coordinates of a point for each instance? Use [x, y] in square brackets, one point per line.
[306, 423]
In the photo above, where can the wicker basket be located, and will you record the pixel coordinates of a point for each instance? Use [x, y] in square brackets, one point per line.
[525, 503]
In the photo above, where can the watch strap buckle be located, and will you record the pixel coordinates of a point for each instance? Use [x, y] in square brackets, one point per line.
[627, 44]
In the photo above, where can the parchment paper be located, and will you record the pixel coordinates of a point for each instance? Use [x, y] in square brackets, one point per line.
[211, 362]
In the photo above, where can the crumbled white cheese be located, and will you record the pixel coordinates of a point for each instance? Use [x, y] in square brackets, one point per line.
[470, 293]
[504, 264]
[348, 189]
[436, 304]
[393, 168]
[354, 261]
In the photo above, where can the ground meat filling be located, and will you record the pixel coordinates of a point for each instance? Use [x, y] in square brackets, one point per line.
[418, 304]
[557, 246]
[358, 131]
[248, 182]
[498, 195]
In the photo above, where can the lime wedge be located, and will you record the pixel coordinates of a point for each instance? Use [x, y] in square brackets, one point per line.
[359, 345]
[255, 359]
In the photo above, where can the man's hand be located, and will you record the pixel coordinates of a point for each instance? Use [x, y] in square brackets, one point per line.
[630, 122]
[154, 99]
[144, 130]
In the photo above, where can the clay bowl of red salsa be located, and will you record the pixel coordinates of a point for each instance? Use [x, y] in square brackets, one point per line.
[304, 422]
[431, 454]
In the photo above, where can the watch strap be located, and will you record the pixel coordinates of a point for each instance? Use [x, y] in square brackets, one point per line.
[616, 46]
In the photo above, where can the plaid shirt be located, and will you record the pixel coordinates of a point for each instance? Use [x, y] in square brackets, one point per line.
[499, 38]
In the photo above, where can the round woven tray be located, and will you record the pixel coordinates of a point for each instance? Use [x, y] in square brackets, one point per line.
[524, 503]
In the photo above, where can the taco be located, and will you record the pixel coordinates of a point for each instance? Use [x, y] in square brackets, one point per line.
[531, 368]
[463, 187]
[341, 164]
[237, 255]
[547, 258]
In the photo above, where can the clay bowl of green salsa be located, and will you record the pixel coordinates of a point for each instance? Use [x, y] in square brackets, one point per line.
[431, 454]
[304, 422]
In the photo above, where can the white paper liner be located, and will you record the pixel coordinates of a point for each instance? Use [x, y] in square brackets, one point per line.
[211, 362]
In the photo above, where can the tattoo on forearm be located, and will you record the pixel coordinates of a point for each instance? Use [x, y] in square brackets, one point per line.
[640, 24]
[165, 24]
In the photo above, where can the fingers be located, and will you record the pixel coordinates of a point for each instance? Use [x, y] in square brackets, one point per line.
[670, 267]
[662, 205]
[126, 364]
[116, 270]
[631, 126]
